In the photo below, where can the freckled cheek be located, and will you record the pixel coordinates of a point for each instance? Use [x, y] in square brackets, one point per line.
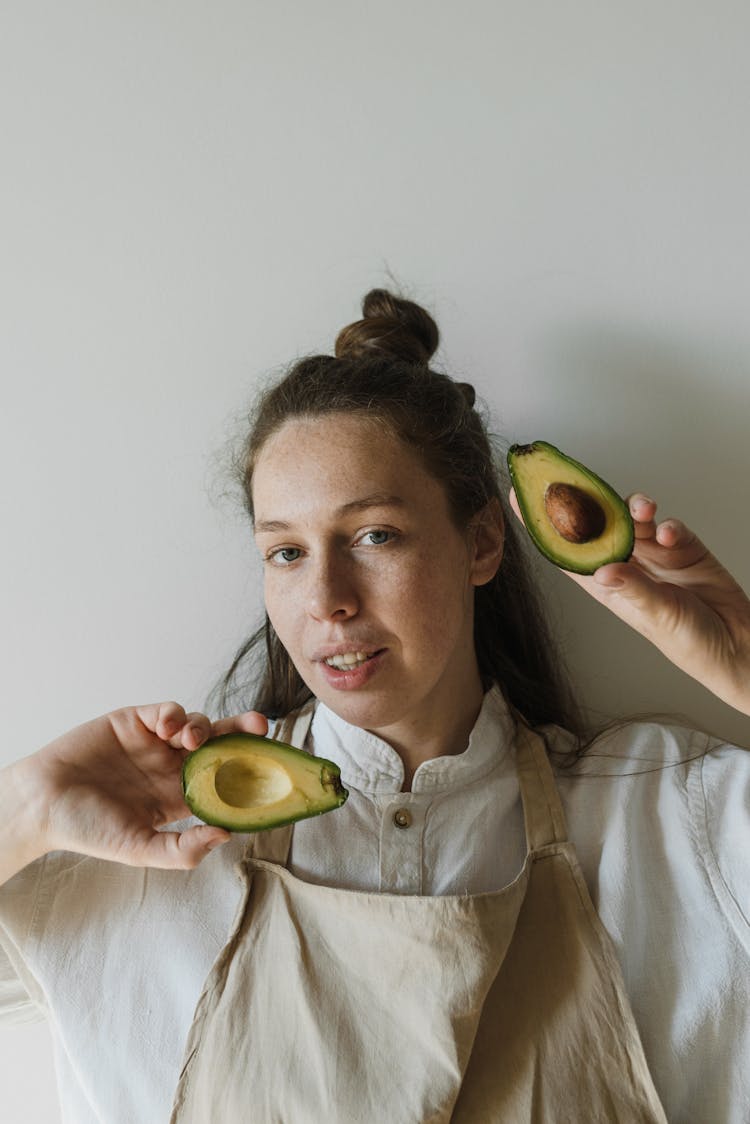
[283, 612]
[429, 606]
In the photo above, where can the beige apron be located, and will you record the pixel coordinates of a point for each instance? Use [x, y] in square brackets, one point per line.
[333, 1006]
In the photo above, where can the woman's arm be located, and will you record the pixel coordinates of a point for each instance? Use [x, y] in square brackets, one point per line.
[679, 596]
[107, 787]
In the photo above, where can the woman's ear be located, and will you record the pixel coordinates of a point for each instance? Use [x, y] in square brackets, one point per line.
[487, 541]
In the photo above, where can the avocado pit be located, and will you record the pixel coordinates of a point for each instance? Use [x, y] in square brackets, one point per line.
[574, 518]
[574, 514]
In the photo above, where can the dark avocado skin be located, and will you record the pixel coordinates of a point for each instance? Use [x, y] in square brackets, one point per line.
[536, 466]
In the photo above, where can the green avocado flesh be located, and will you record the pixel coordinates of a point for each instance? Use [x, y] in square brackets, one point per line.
[244, 782]
[573, 517]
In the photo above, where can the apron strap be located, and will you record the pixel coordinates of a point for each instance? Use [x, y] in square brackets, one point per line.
[542, 809]
[274, 845]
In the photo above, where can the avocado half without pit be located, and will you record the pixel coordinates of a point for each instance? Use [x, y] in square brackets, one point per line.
[244, 782]
[573, 516]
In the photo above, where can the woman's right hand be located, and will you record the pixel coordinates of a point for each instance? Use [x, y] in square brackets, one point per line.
[106, 788]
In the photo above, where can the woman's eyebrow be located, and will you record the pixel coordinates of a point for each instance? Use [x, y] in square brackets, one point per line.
[376, 499]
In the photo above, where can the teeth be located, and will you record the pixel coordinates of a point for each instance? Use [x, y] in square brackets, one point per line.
[347, 660]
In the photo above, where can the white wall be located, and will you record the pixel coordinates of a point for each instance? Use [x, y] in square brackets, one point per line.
[192, 194]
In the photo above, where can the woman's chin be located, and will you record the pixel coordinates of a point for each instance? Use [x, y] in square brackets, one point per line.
[369, 710]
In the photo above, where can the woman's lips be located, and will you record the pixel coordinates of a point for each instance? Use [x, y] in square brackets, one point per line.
[353, 677]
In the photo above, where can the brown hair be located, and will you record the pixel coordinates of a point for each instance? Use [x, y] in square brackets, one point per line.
[381, 370]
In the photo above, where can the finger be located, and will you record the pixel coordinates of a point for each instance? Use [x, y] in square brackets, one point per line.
[513, 500]
[674, 547]
[643, 511]
[673, 533]
[163, 719]
[180, 850]
[196, 728]
[605, 582]
[251, 722]
[612, 576]
[641, 506]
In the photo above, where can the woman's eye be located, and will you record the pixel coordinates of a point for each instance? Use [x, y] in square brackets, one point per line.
[284, 555]
[376, 538]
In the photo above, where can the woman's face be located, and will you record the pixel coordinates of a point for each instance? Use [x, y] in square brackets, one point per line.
[368, 582]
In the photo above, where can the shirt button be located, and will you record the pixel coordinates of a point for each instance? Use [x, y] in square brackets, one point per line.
[402, 818]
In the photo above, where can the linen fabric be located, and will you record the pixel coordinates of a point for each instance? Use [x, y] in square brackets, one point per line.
[489, 1007]
[116, 957]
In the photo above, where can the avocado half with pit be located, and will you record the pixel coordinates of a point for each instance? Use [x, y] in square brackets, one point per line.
[573, 516]
[244, 782]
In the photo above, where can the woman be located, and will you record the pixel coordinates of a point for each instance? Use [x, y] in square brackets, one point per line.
[473, 936]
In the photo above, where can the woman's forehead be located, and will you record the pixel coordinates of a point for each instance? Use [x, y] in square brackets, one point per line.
[354, 441]
[337, 462]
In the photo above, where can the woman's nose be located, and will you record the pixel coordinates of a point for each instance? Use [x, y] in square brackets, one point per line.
[332, 593]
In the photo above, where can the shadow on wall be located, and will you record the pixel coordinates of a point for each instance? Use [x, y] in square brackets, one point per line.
[671, 419]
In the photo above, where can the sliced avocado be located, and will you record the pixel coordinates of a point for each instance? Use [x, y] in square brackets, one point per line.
[244, 782]
[574, 518]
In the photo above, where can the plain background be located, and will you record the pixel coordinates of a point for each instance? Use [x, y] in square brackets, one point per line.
[194, 194]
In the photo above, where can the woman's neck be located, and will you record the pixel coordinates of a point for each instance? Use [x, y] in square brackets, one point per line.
[440, 735]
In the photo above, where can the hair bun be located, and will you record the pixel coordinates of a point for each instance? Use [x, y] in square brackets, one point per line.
[469, 393]
[391, 326]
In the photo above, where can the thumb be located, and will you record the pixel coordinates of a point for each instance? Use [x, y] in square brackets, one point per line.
[181, 850]
[646, 605]
[251, 722]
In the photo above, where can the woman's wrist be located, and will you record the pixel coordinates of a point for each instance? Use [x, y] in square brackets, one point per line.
[23, 816]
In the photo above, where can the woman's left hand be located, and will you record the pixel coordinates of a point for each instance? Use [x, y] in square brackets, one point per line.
[679, 596]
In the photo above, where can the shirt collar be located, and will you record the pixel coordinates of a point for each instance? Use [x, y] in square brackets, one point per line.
[371, 765]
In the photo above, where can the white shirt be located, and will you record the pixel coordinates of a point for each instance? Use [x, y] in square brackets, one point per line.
[117, 956]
